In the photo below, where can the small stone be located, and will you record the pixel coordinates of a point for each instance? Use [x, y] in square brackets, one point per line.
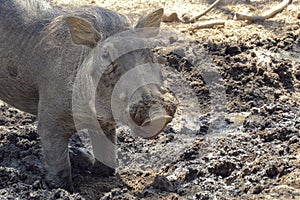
[173, 17]
[37, 185]
[162, 183]
[257, 189]
[294, 139]
[223, 169]
[161, 60]
[272, 171]
[186, 17]
[233, 50]
[202, 195]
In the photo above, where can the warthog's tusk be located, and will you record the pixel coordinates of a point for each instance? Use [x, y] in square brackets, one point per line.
[157, 120]
[154, 126]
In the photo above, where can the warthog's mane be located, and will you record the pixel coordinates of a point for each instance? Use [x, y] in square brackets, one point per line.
[24, 10]
[33, 6]
[38, 16]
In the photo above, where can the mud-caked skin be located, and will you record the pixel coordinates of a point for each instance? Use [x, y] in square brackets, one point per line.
[41, 50]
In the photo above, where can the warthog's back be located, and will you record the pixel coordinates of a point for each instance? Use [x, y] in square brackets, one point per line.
[36, 49]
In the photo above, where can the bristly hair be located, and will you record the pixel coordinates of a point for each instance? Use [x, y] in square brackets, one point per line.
[32, 6]
[26, 9]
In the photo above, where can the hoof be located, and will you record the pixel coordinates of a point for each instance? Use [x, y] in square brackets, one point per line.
[81, 159]
[101, 170]
[55, 183]
[83, 162]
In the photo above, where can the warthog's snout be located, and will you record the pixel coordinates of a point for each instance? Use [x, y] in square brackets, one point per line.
[152, 115]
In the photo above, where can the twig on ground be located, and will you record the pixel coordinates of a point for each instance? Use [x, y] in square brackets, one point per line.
[173, 17]
[208, 24]
[194, 19]
[269, 14]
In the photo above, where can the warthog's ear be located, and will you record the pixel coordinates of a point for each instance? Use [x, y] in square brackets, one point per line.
[151, 20]
[83, 32]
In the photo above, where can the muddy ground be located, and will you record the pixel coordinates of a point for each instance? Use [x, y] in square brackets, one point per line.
[236, 132]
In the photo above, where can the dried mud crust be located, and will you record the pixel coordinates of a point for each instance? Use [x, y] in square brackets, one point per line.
[260, 70]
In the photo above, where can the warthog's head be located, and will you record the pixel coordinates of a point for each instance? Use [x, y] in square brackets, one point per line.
[129, 81]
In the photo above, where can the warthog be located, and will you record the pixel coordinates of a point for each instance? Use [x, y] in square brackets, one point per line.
[42, 48]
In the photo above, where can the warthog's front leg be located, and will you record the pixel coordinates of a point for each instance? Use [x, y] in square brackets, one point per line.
[105, 150]
[54, 134]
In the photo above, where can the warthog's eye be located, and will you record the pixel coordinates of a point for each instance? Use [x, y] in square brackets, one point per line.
[109, 53]
[105, 56]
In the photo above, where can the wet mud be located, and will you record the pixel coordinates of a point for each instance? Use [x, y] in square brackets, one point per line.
[235, 134]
